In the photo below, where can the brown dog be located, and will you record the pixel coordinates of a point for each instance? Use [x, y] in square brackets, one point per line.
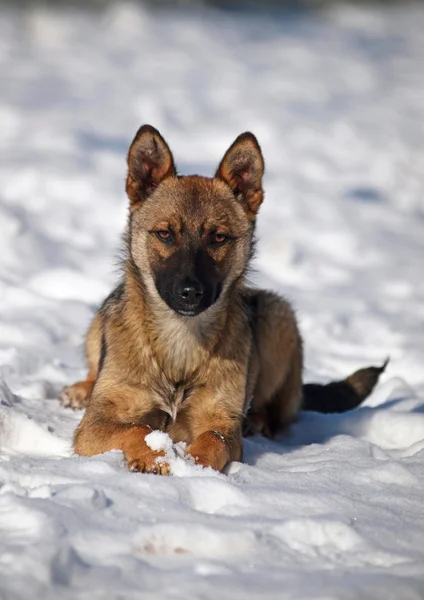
[182, 345]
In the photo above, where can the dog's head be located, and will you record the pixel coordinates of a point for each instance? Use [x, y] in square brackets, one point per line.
[191, 237]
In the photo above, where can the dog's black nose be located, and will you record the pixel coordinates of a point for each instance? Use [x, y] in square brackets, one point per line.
[190, 291]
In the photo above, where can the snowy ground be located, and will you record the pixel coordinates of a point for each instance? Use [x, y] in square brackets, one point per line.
[335, 511]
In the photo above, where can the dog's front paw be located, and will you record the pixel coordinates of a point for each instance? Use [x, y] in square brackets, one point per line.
[139, 456]
[143, 466]
[210, 450]
[76, 396]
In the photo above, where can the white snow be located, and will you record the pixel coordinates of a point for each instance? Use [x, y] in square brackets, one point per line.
[335, 510]
[180, 462]
[158, 440]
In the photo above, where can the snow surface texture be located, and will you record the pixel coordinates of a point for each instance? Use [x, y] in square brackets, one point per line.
[335, 510]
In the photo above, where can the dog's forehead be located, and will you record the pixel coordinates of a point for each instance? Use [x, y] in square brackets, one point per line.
[194, 201]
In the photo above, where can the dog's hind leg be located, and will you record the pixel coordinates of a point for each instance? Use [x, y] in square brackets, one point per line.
[286, 401]
[77, 396]
[277, 393]
[273, 415]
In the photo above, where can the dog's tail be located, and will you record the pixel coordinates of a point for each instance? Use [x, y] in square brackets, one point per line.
[340, 396]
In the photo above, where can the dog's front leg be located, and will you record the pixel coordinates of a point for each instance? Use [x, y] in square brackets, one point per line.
[215, 422]
[114, 421]
[98, 437]
[216, 409]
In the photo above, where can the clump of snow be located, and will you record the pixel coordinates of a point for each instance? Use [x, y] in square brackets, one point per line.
[158, 440]
[180, 463]
[334, 509]
[183, 465]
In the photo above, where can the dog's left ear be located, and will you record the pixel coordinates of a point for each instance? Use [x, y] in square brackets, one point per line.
[149, 162]
[242, 168]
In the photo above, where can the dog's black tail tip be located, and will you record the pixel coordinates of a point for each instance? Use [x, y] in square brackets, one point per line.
[340, 396]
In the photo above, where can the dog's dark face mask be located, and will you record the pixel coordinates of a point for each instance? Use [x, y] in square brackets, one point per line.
[189, 281]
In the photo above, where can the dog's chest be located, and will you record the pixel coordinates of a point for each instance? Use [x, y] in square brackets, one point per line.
[180, 351]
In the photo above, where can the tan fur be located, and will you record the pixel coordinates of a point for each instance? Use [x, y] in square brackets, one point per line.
[193, 377]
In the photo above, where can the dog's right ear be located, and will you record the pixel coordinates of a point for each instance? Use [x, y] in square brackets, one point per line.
[149, 162]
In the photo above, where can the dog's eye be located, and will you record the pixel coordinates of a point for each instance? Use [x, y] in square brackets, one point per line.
[164, 235]
[219, 238]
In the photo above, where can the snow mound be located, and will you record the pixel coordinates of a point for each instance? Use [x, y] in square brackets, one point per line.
[21, 434]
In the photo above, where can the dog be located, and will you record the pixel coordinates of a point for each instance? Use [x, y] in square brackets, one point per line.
[183, 345]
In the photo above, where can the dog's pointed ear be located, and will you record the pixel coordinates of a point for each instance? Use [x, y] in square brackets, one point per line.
[242, 168]
[149, 162]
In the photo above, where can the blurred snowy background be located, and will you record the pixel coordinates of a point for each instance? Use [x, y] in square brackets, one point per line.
[335, 94]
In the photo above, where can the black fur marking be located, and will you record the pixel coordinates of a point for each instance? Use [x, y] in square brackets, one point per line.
[251, 308]
[114, 297]
[103, 352]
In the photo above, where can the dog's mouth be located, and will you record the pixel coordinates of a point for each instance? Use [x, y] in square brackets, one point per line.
[189, 309]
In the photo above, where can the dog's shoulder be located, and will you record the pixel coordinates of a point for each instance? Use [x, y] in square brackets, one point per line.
[114, 301]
